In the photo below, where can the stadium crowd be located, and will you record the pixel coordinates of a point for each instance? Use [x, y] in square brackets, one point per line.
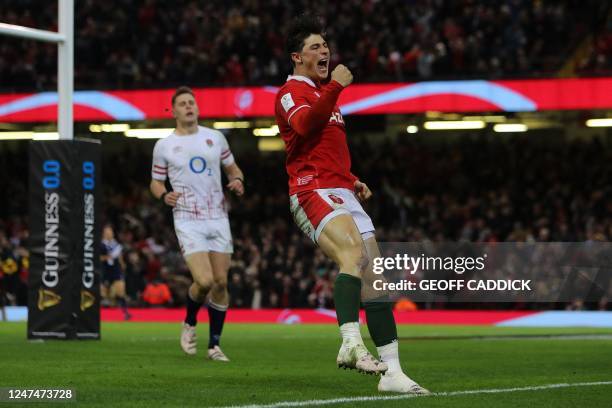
[145, 43]
[477, 189]
[599, 60]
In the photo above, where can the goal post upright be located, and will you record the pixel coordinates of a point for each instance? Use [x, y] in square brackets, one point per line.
[65, 60]
[65, 70]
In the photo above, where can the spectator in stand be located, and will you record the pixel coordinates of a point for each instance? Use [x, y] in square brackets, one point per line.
[157, 293]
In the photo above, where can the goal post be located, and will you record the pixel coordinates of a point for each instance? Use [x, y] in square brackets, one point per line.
[64, 39]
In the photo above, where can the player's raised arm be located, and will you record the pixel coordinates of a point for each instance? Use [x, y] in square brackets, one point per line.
[311, 121]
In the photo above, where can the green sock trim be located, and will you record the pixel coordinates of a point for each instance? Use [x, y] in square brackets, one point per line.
[347, 297]
[381, 323]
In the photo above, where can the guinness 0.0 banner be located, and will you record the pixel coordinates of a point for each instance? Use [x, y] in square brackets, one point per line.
[88, 178]
[63, 301]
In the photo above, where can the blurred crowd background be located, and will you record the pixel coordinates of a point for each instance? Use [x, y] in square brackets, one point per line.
[154, 43]
[470, 188]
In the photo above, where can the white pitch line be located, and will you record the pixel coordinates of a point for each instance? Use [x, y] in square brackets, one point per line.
[308, 403]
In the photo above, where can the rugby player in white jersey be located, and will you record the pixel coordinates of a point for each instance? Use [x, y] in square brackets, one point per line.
[192, 158]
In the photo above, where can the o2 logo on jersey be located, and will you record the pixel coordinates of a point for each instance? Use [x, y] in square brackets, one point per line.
[197, 164]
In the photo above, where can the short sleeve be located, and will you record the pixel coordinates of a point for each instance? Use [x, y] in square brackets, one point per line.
[159, 171]
[227, 158]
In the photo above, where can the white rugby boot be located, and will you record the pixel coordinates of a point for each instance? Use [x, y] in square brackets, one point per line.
[216, 354]
[397, 381]
[188, 339]
[355, 356]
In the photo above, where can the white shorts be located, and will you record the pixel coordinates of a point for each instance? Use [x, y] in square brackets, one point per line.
[212, 235]
[312, 210]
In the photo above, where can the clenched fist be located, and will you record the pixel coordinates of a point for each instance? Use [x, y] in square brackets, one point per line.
[342, 75]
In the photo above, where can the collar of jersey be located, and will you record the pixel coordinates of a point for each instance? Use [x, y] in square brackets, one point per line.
[301, 78]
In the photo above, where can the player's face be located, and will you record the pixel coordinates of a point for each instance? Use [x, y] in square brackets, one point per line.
[107, 233]
[185, 108]
[313, 61]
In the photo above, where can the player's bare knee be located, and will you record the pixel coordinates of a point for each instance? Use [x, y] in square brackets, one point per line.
[203, 285]
[220, 283]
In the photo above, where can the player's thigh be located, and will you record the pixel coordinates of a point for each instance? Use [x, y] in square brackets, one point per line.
[118, 288]
[341, 241]
[220, 262]
[200, 267]
[221, 248]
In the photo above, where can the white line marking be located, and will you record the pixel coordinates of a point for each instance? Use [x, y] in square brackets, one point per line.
[308, 403]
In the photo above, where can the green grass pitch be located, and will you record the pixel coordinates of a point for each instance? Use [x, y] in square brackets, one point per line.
[142, 365]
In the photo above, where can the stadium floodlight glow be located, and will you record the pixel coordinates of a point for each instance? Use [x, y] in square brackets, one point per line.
[46, 136]
[510, 127]
[29, 136]
[159, 133]
[16, 135]
[232, 125]
[412, 129]
[487, 118]
[271, 131]
[109, 127]
[603, 122]
[271, 144]
[454, 125]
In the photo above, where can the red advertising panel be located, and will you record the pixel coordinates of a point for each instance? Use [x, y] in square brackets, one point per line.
[359, 99]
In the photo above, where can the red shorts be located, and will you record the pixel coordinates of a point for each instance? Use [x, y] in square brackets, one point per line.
[312, 210]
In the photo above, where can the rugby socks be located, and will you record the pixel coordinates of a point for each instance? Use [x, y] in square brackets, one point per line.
[350, 332]
[216, 318]
[192, 310]
[390, 354]
[381, 323]
[123, 304]
[347, 292]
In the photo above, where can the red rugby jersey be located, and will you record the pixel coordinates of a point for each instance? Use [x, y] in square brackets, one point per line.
[312, 127]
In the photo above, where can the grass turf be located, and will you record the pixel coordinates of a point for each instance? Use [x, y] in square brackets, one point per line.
[141, 364]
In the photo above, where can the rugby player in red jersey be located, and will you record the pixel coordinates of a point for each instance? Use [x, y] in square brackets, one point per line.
[325, 201]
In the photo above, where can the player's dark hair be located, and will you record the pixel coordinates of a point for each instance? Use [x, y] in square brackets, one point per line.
[181, 90]
[301, 28]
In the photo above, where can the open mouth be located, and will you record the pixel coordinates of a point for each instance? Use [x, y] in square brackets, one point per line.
[322, 66]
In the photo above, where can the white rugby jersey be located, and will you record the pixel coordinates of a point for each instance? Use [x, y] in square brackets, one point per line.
[193, 164]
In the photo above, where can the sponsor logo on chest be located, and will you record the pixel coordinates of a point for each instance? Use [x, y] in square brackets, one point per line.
[336, 117]
[302, 181]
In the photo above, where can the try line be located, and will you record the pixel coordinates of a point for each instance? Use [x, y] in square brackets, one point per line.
[334, 401]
